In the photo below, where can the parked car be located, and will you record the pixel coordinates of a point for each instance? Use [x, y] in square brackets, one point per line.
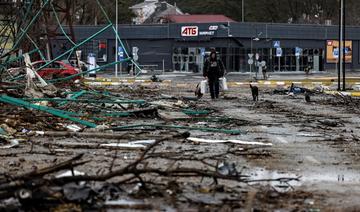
[57, 69]
[83, 66]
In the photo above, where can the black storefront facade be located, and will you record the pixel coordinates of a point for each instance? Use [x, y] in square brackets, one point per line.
[181, 47]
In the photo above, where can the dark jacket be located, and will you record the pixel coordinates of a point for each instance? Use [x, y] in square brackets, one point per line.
[213, 69]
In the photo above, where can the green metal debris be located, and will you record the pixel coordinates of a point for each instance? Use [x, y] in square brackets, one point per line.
[209, 119]
[2, 131]
[74, 96]
[140, 102]
[117, 114]
[19, 57]
[196, 112]
[55, 112]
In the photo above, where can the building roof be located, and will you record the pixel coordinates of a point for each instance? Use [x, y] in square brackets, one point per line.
[163, 9]
[198, 19]
[143, 4]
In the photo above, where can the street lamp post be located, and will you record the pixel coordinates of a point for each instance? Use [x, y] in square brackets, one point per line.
[251, 49]
[344, 43]
[116, 40]
[251, 52]
[341, 49]
[242, 11]
[229, 35]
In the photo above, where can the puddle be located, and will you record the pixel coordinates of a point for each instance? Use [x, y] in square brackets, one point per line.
[332, 176]
[340, 177]
[279, 185]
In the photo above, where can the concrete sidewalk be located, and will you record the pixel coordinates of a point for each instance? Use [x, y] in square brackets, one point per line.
[287, 77]
[234, 75]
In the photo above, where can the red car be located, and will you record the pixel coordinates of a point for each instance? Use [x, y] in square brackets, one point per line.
[57, 69]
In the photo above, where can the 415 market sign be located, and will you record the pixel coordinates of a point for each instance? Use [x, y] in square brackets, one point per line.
[189, 31]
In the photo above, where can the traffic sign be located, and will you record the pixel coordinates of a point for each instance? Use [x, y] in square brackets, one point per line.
[298, 51]
[136, 57]
[251, 61]
[135, 50]
[279, 52]
[336, 53]
[347, 50]
[202, 52]
[276, 44]
[121, 53]
[251, 55]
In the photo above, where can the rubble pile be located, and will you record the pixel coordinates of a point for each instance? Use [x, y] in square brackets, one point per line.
[82, 147]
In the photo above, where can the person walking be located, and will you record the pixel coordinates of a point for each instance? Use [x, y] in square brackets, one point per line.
[264, 72]
[213, 70]
[307, 70]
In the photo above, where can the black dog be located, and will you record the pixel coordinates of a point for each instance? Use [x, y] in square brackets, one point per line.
[307, 97]
[255, 92]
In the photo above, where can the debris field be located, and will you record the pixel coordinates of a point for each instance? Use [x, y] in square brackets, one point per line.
[160, 148]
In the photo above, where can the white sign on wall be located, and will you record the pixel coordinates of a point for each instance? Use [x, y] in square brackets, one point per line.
[210, 33]
[189, 31]
[213, 28]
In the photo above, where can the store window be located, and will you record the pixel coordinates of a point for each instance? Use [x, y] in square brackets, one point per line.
[310, 57]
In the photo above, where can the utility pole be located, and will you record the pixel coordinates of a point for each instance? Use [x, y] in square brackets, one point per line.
[116, 40]
[251, 52]
[340, 48]
[242, 11]
[344, 43]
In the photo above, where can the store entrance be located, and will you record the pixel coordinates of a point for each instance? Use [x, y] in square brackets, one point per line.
[309, 58]
[188, 59]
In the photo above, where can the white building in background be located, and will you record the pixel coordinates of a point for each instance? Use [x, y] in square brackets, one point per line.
[152, 11]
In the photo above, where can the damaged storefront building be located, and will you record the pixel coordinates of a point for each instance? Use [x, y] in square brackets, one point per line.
[182, 43]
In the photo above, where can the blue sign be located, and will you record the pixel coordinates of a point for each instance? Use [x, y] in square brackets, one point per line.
[202, 50]
[279, 52]
[336, 53]
[298, 51]
[121, 53]
[347, 50]
[276, 44]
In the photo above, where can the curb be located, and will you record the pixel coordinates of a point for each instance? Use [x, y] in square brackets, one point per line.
[347, 93]
[269, 84]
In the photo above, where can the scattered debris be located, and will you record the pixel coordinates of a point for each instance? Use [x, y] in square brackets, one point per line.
[330, 123]
[173, 115]
[13, 143]
[123, 146]
[200, 140]
[70, 173]
[128, 204]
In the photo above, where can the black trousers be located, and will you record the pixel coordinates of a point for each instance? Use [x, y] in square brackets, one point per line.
[214, 86]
